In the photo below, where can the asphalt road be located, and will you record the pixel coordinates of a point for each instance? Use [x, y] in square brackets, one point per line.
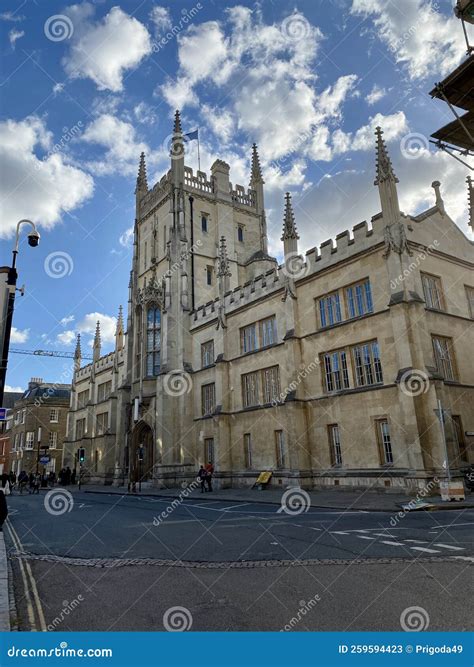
[234, 566]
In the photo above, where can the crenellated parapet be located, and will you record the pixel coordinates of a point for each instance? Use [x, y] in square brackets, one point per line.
[105, 362]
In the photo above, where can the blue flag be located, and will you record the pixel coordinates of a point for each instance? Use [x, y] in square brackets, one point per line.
[192, 135]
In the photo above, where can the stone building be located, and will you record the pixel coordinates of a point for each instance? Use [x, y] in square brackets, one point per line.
[9, 399]
[326, 369]
[39, 427]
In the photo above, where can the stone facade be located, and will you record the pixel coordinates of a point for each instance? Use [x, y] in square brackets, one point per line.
[325, 369]
[39, 419]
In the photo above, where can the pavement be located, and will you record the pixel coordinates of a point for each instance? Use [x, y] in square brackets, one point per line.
[4, 600]
[371, 500]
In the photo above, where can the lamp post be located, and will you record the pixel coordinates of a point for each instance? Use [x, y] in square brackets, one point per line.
[33, 240]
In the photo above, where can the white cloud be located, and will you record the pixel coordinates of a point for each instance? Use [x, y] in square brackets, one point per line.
[66, 337]
[67, 320]
[108, 326]
[126, 238]
[39, 189]
[221, 122]
[19, 335]
[15, 35]
[14, 390]
[375, 95]
[104, 50]
[145, 114]
[118, 138]
[11, 16]
[416, 34]
[161, 19]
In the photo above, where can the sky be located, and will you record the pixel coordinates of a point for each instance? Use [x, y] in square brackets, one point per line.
[86, 87]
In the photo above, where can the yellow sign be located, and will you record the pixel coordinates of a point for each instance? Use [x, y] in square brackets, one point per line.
[264, 478]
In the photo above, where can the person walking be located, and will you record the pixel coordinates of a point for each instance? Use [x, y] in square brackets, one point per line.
[36, 483]
[3, 508]
[31, 482]
[202, 476]
[12, 478]
[67, 476]
[209, 474]
[22, 481]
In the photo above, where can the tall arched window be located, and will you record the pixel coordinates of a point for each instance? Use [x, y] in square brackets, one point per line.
[153, 341]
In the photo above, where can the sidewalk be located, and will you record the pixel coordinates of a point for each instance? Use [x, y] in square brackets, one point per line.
[368, 500]
[4, 599]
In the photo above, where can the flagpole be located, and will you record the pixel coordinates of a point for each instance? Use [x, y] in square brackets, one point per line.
[199, 154]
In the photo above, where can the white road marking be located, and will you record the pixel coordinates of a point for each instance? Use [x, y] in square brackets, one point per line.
[337, 532]
[384, 535]
[428, 551]
[365, 537]
[469, 558]
[449, 546]
[417, 541]
[453, 525]
[394, 544]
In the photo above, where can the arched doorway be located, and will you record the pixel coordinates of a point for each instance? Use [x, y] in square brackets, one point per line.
[141, 462]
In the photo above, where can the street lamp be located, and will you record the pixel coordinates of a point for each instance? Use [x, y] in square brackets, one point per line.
[33, 240]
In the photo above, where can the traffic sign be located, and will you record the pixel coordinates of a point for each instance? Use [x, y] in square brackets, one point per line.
[3, 414]
[44, 460]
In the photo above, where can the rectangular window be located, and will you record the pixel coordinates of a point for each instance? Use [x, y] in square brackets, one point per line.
[102, 423]
[204, 226]
[53, 440]
[209, 275]
[248, 338]
[280, 449]
[444, 357]
[54, 415]
[268, 333]
[80, 428]
[359, 299]
[335, 369]
[23, 415]
[250, 389]
[207, 353]
[330, 310]
[22, 440]
[82, 398]
[30, 440]
[209, 450]
[432, 291]
[470, 300]
[208, 398]
[104, 390]
[367, 364]
[271, 384]
[240, 234]
[384, 441]
[247, 451]
[335, 445]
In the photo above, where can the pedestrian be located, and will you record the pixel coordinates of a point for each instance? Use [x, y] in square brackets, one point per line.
[36, 483]
[22, 481]
[12, 478]
[4, 479]
[67, 476]
[61, 476]
[209, 474]
[202, 476]
[73, 477]
[3, 508]
[31, 482]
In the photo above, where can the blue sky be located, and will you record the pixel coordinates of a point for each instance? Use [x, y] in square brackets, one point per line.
[86, 87]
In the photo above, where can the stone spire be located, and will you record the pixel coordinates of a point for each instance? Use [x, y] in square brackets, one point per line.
[439, 199]
[256, 173]
[97, 343]
[142, 182]
[470, 201]
[386, 181]
[290, 236]
[177, 123]
[77, 353]
[119, 331]
[223, 268]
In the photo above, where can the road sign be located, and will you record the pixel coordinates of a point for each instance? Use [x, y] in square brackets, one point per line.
[3, 414]
[44, 460]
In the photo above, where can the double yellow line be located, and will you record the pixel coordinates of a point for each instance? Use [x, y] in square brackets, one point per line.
[33, 602]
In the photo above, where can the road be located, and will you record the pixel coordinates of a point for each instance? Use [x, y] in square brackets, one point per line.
[237, 566]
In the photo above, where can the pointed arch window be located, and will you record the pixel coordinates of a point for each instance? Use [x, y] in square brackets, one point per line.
[153, 341]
